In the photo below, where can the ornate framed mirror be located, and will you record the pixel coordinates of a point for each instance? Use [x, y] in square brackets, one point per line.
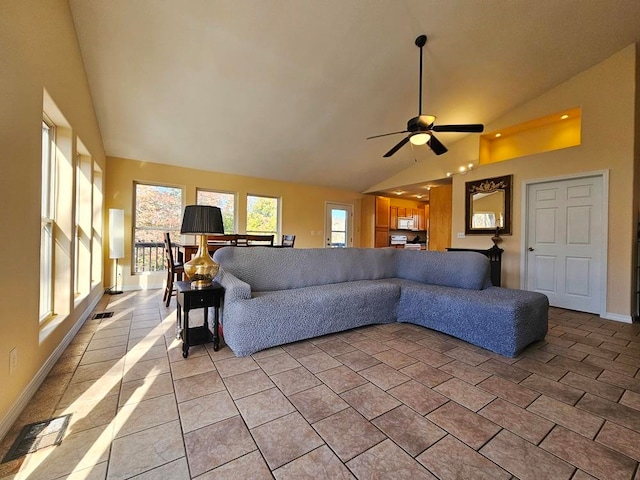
[488, 206]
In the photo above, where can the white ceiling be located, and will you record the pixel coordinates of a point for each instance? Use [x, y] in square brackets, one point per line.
[290, 89]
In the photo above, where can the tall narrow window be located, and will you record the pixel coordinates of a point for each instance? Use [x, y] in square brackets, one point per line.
[226, 201]
[262, 215]
[46, 220]
[158, 210]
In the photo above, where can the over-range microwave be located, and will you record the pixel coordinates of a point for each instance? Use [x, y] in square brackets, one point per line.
[405, 223]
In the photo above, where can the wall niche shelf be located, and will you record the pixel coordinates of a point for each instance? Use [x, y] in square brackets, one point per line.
[544, 134]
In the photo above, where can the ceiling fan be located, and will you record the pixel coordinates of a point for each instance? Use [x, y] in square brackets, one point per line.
[421, 128]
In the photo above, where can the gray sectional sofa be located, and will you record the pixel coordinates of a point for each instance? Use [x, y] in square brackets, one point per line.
[275, 296]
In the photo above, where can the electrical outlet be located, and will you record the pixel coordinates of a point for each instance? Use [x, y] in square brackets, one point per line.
[460, 235]
[13, 360]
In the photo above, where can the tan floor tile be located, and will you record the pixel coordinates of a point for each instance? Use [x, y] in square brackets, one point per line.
[203, 411]
[576, 367]
[294, 381]
[348, 433]
[631, 399]
[620, 439]
[563, 351]
[616, 412]
[468, 465]
[559, 391]
[98, 371]
[277, 363]
[97, 344]
[387, 460]
[235, 365]
[285, 439]
[510, 391]
[370, 401]
[466, 425]
[417, 396]
[85, 416]
[175, 470]
[301, 349]
[94, 472]
[503, 370]
[191, 366]
[320, 463]
[66, 365]
[517, 420]
[601, 389]
[370, 347]
[524, 460]
[395, 359]
[188, 388]
[341, 379]
[248, 383]
[607, 364]
[439, 344]
[594, 350]
[317, 403]
[336, 347]
[142, 354]
[318, 362]
[409, 430]
[543, 369]
[135, 417]
[145, 388]
[384, 376]
[467, 395]
[147, 368]
[249, 466]
[568, 416]
[263, 407]
[589, 456]
[219, 443]
[89, 391]
[620, 380]
[468, 373]
[357, 360]
[431, 357]
[426, 374]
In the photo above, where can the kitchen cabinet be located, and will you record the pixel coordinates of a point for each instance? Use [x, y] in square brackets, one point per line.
[382, 209]
[393, 218]
[402, 212]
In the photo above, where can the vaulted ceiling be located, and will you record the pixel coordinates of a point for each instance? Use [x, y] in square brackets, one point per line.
[290, 89]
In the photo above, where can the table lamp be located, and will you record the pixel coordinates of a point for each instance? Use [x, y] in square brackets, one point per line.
[201, 220]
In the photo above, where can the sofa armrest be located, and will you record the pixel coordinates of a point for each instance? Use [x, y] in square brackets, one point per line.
[234, 288]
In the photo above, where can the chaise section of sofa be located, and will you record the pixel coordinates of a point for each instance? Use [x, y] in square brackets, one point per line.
[277, 296]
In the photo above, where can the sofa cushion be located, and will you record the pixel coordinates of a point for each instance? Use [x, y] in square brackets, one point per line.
[269, 269]
[468, 270]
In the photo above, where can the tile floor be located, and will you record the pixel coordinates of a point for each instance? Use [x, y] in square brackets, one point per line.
[392, 401]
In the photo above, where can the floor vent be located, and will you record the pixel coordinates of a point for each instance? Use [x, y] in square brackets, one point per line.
[103, 315]
[38, 435]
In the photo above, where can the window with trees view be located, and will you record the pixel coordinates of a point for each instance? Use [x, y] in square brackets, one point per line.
[262, 215]
[158, 209]
[225, 201]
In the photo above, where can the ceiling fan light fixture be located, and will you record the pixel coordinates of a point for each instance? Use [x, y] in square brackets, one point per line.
[420, 138]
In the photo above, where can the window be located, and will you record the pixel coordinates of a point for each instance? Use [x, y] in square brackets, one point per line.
[262, 215]
[46, 220]
[158, 209]
[226, 202]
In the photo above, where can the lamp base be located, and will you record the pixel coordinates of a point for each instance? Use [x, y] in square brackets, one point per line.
[201, 269]
[115, 292]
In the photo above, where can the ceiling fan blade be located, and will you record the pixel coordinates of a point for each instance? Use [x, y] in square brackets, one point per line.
[387, 134]
[468, 128]
[435, 145]
[397, 147]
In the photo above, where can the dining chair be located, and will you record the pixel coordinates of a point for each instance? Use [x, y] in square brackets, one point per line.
[288, 240]
[175, 270]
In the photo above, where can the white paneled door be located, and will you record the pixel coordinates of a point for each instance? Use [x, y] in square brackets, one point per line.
[565, 236]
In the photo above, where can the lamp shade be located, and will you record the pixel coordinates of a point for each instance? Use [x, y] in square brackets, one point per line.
[116, 233]
[201, 219]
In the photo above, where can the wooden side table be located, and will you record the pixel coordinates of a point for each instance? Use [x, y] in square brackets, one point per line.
[189, 299]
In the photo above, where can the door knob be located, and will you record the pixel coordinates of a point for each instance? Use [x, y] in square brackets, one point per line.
[531, 249]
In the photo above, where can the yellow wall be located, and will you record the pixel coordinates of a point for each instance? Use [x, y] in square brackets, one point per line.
[39, 51]
[302, 206]
[606, 94]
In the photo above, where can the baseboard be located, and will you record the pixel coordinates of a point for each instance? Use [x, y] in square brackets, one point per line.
[35, 383]
[618, 318]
